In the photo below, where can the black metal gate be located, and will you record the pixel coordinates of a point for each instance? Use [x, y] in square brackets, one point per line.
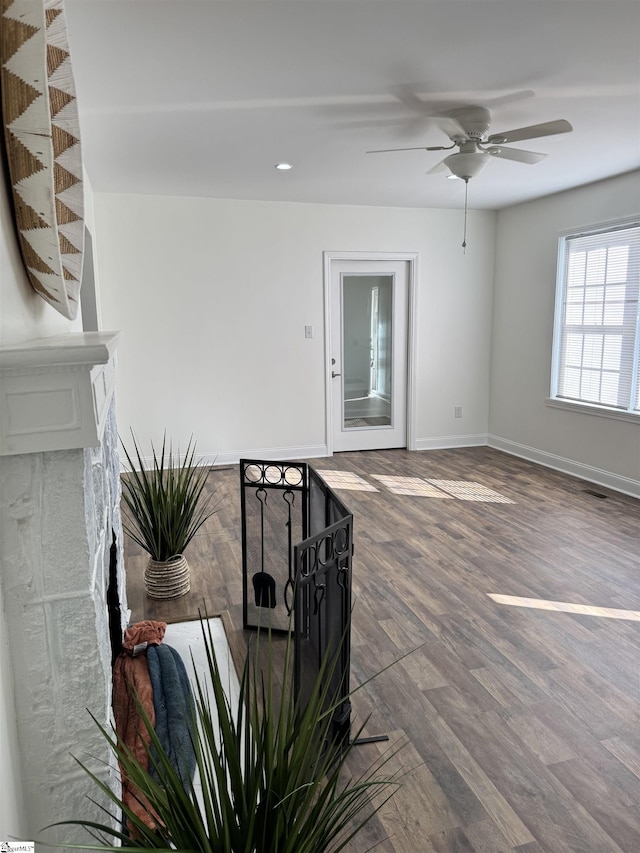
[323, 620]
[274, 503]
[297, 548]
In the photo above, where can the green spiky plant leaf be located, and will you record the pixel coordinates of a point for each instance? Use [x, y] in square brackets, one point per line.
[271, 781]
[165, 502]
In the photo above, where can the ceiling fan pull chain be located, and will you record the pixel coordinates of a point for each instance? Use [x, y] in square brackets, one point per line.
[464, 236]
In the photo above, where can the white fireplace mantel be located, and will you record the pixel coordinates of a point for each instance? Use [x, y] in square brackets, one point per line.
[59, 523]
[55, 392]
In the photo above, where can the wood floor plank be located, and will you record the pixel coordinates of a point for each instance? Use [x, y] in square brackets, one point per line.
[495, 686]
[625, 753]
[543, 742]
[451, 841]
[607, 712]
[551, 813]
[602, 799]
[498, 809]
[485, 837]
[419, 668]
[381, 698]
[419, 809]
[523, 722]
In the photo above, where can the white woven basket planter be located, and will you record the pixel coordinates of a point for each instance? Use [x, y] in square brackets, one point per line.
[167, 579]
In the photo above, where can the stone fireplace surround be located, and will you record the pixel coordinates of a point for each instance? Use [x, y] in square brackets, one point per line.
[59, 514]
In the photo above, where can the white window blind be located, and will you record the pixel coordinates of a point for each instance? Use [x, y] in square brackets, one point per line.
[597, 322]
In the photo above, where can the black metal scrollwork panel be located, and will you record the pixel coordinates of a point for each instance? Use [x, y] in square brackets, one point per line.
[274, 518]
[326, 549]
[286, 475]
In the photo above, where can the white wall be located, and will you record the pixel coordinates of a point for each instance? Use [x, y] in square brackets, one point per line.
[213, 296]
[524, 299]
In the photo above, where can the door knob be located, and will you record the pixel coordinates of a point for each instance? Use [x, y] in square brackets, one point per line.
[334, 374]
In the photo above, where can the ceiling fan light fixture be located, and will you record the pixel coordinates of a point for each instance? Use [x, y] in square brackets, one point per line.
[284, 167]
[467, 166]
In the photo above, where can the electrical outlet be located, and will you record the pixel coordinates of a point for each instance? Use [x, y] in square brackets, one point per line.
[457, 411]
[308, 331]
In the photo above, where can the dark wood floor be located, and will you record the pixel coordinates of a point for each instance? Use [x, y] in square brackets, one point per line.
[521, 724]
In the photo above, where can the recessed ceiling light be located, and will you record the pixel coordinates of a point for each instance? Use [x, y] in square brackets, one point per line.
[284, 166]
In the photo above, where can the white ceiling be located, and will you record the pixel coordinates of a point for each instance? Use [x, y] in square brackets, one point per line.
[204, 98]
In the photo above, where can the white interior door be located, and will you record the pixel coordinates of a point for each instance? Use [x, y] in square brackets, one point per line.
[369, 330]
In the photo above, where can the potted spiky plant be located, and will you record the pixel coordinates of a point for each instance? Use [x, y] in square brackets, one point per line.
[165, 505]
[268, 778]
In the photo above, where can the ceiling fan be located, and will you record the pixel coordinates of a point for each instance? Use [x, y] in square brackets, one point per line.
[468, 129]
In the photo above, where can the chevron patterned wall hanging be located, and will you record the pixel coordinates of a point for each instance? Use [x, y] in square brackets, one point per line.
[42, 138]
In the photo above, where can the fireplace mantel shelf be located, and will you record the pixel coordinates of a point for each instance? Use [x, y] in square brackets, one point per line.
[55, 392]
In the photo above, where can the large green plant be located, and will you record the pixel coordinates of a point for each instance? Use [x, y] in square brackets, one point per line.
[271, 780]
[165, 502]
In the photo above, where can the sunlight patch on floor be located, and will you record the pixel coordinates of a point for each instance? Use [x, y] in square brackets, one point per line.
[346, 480]
[415, 486]
[411, 486]
[566, 607]
[467, 491]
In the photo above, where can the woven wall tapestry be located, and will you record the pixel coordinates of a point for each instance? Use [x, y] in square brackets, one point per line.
[42, 138]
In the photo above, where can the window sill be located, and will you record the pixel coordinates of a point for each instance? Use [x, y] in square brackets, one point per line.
[599, 411]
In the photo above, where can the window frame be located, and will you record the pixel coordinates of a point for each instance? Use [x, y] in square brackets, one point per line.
[583, 406]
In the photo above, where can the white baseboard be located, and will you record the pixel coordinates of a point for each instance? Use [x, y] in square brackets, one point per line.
[446, 442]
[567, 466]
[232, 457]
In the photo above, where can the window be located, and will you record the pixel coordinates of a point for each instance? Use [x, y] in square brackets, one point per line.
[597, 328]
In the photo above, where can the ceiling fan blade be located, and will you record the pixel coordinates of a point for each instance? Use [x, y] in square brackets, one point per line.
[439, 167]
[407, 95]
[384, 150]
[377, 122]
[450, 126]
[534, 131]
[419, 148]
[515, 154]
[509, 98]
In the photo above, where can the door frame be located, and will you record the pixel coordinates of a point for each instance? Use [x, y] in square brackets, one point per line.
[331, 258]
